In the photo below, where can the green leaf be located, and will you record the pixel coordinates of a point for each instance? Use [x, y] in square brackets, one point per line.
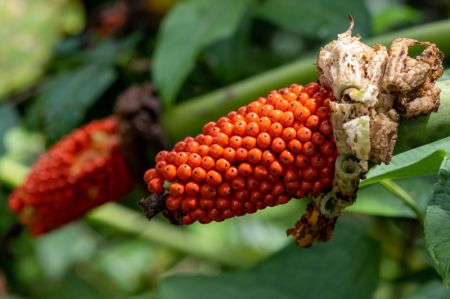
[57, 252]
[317, 19]
[29, 31]
[64, 100]
[126, 263]
[437, 223]
[392, 16]
[377, 200]
[9, 118]
[186, 30]
[346, 267]
[419, 161]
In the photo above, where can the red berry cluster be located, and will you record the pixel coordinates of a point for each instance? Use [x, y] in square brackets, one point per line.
[261, 155]
[82, 171]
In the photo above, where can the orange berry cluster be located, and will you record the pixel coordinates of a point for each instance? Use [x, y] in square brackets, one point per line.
[83, 170]
[261, 155]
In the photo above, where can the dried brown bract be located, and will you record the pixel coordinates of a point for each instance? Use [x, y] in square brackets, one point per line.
[373, 87]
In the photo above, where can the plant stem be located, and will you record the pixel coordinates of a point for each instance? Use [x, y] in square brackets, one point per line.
[187, 117]
[404, 196]
[129, 221]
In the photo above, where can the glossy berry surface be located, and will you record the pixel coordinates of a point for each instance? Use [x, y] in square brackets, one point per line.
[275, 148]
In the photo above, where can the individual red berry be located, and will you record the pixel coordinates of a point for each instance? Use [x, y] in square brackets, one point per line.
[254, 155]
[278, 145]
[194, 160]
[264, 124]
[236, 142]
[198, 174]
[325, 127]
[266, 110]
[184, 172]
[156, 185]
[252, 129]
[289, 134]
[231, 173]
[309, 148]
[176, 189]
[238, 183]
[150, 174]
[226, 127]
[169, 172]
[173, 203]
[203, 150]
[286, 157]
[248, 142]
[241, 154]
[192, 147]
[313, 122]
[318, 161]
[317, 138]
[251, 117]
[295, 146]
[221, 139]
[208, 163]
[301, 113]
[215, 151]
[304, 134]
[192, 188]
[267, 158]
[224, 189]
[275, 129]
[275, 115]
[312, 88]
[239, 128]
[287, 119]
[245, 169]
[213, 178]
[260, 172]
[229, 154]
[222, 165]
[208, 191]
[263, 140]
[276, 169]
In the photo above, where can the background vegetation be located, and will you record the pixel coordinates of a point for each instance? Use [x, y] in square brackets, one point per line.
[63, 63]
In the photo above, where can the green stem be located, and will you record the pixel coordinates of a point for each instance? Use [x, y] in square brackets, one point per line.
[129, 221]
[404, 196]
[187, 117]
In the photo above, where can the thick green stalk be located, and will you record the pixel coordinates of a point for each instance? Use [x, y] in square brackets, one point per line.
[188, 117]
[129, 221]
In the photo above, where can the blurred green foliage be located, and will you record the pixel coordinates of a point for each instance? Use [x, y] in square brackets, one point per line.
[63, 63]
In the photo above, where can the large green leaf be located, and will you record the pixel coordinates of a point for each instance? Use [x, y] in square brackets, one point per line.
[320, 18]
[437, 223]
[346, 267]
[377, 200]
[64, 100]
[28, 31]
[419, 161]
[57, 253]
[188, 28]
